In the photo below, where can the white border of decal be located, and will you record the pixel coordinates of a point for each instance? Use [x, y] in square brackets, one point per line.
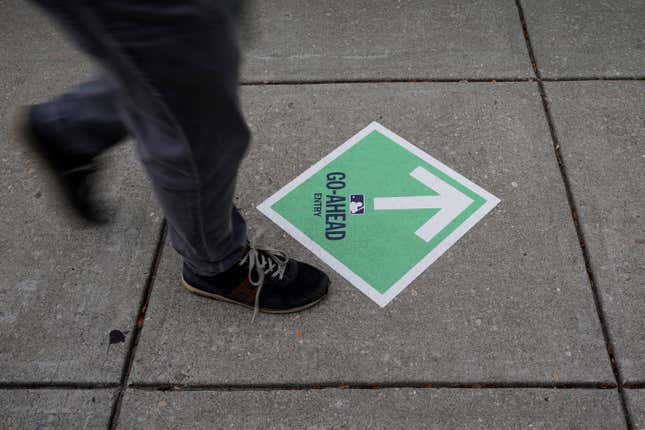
[333, 262]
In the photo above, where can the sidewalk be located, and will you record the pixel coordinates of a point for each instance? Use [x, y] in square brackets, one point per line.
[534, 319]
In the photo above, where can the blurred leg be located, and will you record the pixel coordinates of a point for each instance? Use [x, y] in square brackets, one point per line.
[81, 123]
[176, 67]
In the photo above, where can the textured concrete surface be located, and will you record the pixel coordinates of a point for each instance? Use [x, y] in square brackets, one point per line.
[408, 39]
[374, 409]
[587, 38]
[601, 126]
[34, 53]
[63, 286]
[636, 404]
[51, 409]
[509, 302]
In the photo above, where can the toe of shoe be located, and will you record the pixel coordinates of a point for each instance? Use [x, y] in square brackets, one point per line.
[316, 282]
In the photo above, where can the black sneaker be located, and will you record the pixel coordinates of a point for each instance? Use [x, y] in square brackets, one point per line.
[265, 280]
[76, 176]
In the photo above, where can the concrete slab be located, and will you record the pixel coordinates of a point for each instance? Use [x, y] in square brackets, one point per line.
[509, 302]
[636, 404]
[409, 39]
[64, 288]
[587, 38]
[601, 126]
[46, 409]
[374, 409]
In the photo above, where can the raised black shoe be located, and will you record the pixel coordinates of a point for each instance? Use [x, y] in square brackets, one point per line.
[74, 175]
[265, 280]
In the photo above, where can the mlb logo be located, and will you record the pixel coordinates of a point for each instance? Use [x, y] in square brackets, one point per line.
[357, 204]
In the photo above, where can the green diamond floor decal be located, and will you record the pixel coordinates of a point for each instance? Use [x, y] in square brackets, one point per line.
[378, 210]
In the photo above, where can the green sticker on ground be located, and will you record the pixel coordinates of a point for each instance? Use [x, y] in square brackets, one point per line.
[378, 210]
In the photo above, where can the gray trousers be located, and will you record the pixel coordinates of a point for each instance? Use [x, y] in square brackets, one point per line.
[171, 82]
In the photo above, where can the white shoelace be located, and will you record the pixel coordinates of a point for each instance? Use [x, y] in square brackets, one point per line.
[263, 261]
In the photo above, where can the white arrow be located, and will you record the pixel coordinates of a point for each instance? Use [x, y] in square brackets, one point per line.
[450, 201]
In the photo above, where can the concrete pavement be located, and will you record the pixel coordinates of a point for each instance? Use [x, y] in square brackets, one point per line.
[532, 320]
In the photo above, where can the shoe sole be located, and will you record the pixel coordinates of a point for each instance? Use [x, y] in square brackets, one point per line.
[217, 297]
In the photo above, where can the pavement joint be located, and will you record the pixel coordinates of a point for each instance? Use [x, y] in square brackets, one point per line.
[371, 386]
[381, 81]
[138, 325]
[593, 79]
[57, 386]
[585, 253]
[581, 238]
[491, 80]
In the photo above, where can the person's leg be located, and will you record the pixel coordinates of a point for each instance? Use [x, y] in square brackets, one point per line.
[83, 122]
[176, 64]
[175, 67]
